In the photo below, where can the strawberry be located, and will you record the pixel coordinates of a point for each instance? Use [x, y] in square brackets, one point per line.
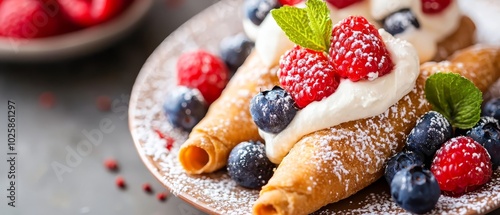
[307, 75]
[434, 6]
[461, 165]
[204, 71]
[357, 50]
[342, 3]
[29, 19]
[91, 12]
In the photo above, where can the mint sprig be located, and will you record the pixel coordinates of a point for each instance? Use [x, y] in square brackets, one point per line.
[309, 27]
[456, 97]
[319, 20]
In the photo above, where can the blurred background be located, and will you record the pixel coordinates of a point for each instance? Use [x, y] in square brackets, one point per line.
[59, 102]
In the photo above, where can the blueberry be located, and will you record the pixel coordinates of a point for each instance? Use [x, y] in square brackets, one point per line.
[272, 110]
[415, 189]
[249, 166]
[184, 107]
[430, 132]
[398, 22]
[487, 133]
[257, 10]
[492, 108]
[234, 50]
[400, 161]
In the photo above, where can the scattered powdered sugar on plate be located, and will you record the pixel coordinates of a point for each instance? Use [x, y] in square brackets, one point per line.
[477, 202]
[216, 193]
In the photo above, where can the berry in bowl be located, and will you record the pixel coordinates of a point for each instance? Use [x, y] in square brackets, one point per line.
[41, 30]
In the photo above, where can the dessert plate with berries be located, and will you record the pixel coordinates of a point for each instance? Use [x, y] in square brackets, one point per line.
[38, 30]
[187, 72]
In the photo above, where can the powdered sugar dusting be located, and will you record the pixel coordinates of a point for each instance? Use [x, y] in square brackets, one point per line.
[217, 193]
[477, 202]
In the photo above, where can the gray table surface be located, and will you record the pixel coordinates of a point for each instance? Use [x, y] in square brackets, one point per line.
[47, 136]
[44, 134]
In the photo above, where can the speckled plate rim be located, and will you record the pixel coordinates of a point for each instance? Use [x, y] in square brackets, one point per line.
[150, 163]
[152, 63]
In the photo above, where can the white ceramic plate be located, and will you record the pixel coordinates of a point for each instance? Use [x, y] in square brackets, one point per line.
[76, 43]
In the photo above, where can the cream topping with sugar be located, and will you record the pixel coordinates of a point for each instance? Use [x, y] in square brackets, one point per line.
[271, 41]
[433, 28]
[484, 13]
[351, 100]
[361, 8]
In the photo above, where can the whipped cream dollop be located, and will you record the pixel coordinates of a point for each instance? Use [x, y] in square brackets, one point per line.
[433, 27]
[351, 101]
[271, 42]
[484, 13]
[361, 8]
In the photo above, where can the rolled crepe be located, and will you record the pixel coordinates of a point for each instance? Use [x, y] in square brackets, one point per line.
[332, 164]
[228, 120]
[462, 38]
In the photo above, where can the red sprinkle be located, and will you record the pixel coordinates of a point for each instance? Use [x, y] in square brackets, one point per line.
[161, 196]
[169, 141]
[47, 100]
[160, 134]
[120, 182]
[111, 164]
[103, 103]
[147, 188]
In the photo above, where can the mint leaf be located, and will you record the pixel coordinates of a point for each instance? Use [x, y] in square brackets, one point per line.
[295, 23]
[456, 97]
[309, 27]
[319, 20]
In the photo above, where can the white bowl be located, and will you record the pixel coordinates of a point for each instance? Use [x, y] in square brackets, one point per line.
[76, 43]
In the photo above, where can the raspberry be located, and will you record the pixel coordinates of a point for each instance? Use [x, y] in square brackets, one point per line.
[202, 70]
[307, 75]
[357, 50]
[339, 4]
[29, 19]
[461, 165]
[289, 2]
[434, 6]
